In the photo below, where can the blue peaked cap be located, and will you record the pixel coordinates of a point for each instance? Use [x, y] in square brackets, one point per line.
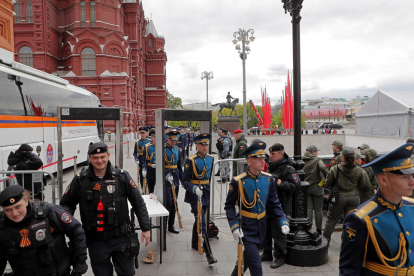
[203, 138]
[398, 160]
[255, 150]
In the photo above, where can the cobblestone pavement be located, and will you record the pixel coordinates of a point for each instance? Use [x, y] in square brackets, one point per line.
[181, 259]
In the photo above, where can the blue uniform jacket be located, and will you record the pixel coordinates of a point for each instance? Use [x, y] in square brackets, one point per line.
[258, 197]
[139, 150]
[388, 223]
[173, 164]
[195, 175]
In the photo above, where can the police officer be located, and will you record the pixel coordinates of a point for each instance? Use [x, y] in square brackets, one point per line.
[139, 152]
[219, 146]
[173, 175]
[349, 178]
[32, 237]
[287, 182]
[315, 171]
[239, 148]
[377, 237]
[337, 147]
[102, 192]
[255, 192]
[196, 181]
[224, 154]
[149, 171]
[25, 160]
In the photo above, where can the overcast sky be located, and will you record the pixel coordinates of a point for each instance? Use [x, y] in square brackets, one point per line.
[348, 47]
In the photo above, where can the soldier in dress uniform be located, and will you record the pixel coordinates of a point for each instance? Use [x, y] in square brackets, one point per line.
[378, 236]
[255, 192]
[139, 152]
[196, 180]
[149, 172]
[102, 192]
[173, 175]
[32, 237]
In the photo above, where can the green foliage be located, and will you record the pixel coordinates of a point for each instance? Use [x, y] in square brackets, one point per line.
[174, 102]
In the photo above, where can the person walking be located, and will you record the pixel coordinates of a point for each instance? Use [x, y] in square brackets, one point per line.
[315, 173]
[348, 178]
[102, 192]
[196, 182]
[254, 192]
[32, 237]
[139, 152]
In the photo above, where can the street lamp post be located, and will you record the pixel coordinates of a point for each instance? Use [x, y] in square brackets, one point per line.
[302, 241]
[245, 37]
[208, 76]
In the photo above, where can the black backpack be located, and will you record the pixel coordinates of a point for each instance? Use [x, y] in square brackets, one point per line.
[213, 230]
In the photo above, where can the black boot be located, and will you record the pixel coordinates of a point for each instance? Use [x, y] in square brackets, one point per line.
[194, 238]
[218, 173]
[207, 249]
[279, 261]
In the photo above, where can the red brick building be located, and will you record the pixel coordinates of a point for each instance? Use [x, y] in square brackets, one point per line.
[106, 46]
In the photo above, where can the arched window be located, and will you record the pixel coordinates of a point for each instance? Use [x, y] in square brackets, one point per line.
[82, 14]
[18, 11]
[150, 43]
[88, 62]
[29, 12]
[26, 56]
[93, 13]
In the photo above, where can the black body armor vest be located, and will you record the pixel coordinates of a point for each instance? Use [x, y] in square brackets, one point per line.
[33, 247]
[115, 204]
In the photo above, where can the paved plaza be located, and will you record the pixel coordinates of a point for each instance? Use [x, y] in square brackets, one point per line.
[181, 259]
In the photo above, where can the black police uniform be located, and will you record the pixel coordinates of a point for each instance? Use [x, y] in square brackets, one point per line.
[377, 237]
[36, 245]
[115, 188]
[24, 160]
[283, 170]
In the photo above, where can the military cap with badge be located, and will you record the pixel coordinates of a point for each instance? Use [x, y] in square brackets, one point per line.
[203, 138]
[98, 147]
[173, 135]
[255, 150]
[11, 195]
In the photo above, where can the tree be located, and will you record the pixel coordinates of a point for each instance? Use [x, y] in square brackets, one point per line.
[174, 102]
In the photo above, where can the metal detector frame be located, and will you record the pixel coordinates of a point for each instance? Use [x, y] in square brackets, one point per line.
[89, 113]
[161, 115]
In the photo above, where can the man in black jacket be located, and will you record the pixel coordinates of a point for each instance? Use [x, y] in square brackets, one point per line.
[25, 160]
[287, 181]
[102, 192]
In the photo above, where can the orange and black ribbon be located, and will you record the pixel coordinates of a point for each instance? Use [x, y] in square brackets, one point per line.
[25, 242]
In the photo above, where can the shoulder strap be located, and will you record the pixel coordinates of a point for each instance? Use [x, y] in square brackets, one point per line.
[337, 175]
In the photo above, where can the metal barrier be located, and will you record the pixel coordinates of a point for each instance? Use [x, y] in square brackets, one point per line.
[213, 216]
[37, 176]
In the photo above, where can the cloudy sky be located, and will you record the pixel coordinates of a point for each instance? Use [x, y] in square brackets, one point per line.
[348, 47]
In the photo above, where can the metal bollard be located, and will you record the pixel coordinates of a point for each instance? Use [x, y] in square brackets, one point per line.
[75, 165]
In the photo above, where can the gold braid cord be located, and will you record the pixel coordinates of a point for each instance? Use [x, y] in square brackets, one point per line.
[149, 157]
[401, 252]
[246, 204]
[169, 162]
[196, 174]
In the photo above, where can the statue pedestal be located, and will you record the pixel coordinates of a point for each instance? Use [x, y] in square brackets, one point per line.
[231, 123]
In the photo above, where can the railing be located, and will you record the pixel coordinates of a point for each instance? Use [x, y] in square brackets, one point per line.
[220, 215]
[37, 176]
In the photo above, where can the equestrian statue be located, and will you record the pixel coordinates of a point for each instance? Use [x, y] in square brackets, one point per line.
[229, 104]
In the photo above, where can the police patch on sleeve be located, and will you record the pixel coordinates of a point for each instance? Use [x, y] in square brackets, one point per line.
[66, 218]
[350, 233]
[132, 183]
[67, 190]
[295, 177]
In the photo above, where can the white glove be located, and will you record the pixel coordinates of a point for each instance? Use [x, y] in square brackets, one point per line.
[285, 229]
[198, 192]
[170, 178]
[137, 162]
[238, 233]
[144, 172]
[153, 166]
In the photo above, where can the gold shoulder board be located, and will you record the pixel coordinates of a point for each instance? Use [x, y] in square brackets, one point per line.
[237, 178]
[192, 157]
[408, 199]
[366, 209]
[265, 173]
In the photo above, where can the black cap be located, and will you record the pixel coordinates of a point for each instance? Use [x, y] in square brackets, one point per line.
[98, 147]
[25, 147]
[276, 147]
[11, 195]
[224, 130]
[152, 132]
